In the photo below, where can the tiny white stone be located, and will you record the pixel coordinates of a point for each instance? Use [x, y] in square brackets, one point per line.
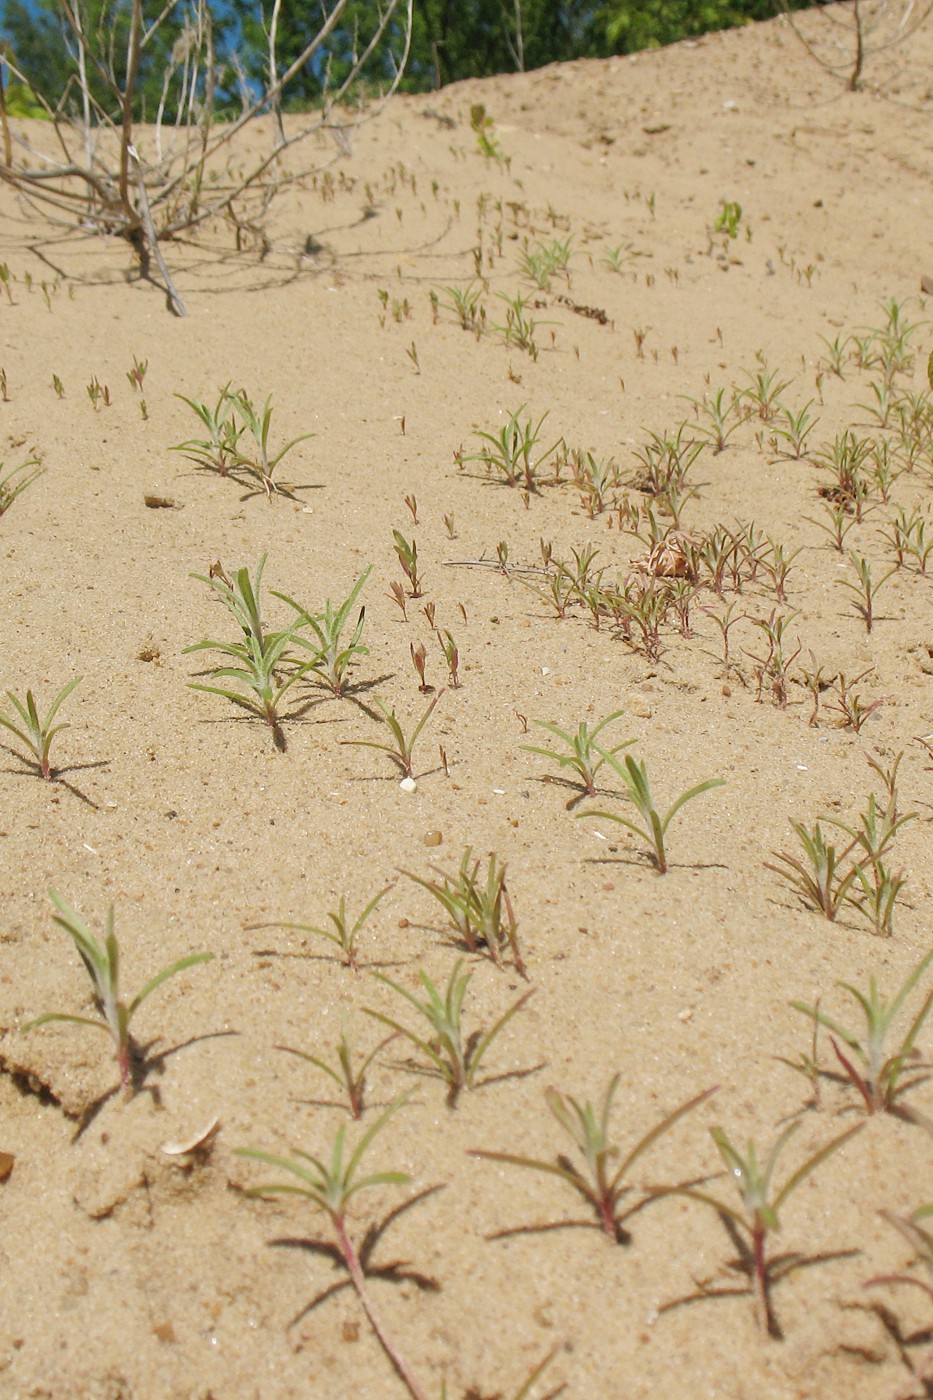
[408, 785]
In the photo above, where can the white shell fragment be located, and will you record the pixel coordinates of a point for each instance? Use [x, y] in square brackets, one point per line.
[408, 785]
[197, 1143]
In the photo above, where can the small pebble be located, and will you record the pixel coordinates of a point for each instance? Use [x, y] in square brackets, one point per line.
[408, 785]
[433, 838]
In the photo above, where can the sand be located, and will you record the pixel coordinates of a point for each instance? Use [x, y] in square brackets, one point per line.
[132, 1273]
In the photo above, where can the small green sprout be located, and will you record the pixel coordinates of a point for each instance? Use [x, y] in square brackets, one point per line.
[881, 1079]
[36, 734]
[817, 879]
[585, 758]
[759, 1214]
[407, 551]
[102, 962]
[350, 1078]
[865, 591]
[480, 910]
[342, 933]
[452, 1056]
[401, 751]
[600, 1187]
[729, 218]
[331, 1187]
[486, 138]
[654, 829]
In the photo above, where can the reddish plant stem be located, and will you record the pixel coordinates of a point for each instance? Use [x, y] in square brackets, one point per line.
[355, 1270]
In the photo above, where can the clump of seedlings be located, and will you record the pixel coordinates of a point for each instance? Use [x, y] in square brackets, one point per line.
[598, 480]
[758, 1216]
[35, 733]
[465, 304]
[401, 750]
[772, 666]
[511, 454]
[817, 877]
[825, 877]
[266, 669]
[880, 1078]
[330, 1187]
[15, 481]
[518, 329]
[601, 1187]
[653, 830]
[233, 415]
[585, 757]
[260, 462]
[333, 654]
[218, 451]
[479, 909]
[451, 1054]
[102, 963]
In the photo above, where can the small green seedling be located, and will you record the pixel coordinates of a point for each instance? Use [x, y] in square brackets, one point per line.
[465, 303]
[261, 463]
[486, 138]
[262, 656]
[218, 451]
[16, 480]
[584, 758]
[102, 961]
[342, 933]
[759, 1214]
[452, 1056]
[729, 218]
[512, 451]
[881, 1079]
[480, 910]
[654, 830]
[332, 655]
[817, 879]
[347, 1077]
[877, 829]
[402, 750]
[331, 1187]
[407, 551]
[717, 412]
[588, 1128]
[36, 734]
[865, 591]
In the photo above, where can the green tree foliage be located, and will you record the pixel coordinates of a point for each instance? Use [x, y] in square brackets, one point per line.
[630, 25]
[451, 39]
[36, 39]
